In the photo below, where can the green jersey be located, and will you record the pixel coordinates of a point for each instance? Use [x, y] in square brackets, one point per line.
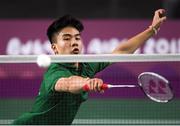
[53, 107]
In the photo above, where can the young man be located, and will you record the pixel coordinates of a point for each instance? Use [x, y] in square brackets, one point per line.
[61, 94]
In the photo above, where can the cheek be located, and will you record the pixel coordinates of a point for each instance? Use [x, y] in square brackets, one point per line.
[81, 45]
[61, 44]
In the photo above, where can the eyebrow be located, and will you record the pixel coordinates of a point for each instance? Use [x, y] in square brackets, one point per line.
[69, 35]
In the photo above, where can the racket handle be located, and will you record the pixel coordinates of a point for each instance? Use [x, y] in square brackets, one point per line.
[103, 87]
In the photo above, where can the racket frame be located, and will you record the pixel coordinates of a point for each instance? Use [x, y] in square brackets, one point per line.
[160, 77]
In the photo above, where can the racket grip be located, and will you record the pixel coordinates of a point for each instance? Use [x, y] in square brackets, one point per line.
[86, 87]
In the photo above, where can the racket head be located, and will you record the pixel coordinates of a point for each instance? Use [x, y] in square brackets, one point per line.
[156, 87]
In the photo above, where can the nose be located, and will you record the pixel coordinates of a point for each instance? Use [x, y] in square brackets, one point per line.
[74, 43]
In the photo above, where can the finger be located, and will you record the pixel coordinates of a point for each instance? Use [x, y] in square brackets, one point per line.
[91, 85]
[100, 85]
[162, 11]
[163, 19]
[161, 14]
[157, 11]
[95, 85]
[99, 88]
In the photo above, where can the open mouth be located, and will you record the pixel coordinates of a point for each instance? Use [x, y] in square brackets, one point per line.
[75, 51]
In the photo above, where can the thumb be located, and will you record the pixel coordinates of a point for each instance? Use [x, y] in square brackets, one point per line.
[163, 19]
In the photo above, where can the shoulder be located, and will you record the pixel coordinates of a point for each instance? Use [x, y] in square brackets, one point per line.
[53, 68]
[94, 67]
[97, 65]
[54, 72]
[57, 70]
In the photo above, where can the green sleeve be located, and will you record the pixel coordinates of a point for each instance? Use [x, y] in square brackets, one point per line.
[52, 76]
[97, 67]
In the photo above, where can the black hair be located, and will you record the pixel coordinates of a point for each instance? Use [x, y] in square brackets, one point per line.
[62, 22]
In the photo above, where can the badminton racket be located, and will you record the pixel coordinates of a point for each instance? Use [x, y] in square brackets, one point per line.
[154, 86]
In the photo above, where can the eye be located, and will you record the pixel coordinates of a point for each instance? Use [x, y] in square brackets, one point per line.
[78, 38]
[66, 39]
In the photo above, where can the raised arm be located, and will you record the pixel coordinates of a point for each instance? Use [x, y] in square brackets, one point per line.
[135, 42]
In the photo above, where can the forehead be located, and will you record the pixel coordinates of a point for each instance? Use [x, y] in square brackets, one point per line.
[68, 31]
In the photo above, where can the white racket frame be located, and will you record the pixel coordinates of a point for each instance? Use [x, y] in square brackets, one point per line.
[160, 77]
[141, 86]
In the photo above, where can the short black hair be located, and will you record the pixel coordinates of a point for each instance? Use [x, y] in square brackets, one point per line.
[62, 22]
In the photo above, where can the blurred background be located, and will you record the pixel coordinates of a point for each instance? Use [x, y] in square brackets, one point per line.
[23, 27]
[89, 9]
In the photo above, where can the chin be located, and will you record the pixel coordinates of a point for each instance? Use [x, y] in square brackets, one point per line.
[75, 53]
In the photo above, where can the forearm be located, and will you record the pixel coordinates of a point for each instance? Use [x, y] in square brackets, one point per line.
[71, 84]
[74, 84]
[134, 43]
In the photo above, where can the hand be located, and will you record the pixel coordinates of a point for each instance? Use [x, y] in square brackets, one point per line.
[77, 82]
[95, 84]
[158, 19]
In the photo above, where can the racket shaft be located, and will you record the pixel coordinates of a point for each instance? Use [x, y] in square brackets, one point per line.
[107, 86]
[120, 86]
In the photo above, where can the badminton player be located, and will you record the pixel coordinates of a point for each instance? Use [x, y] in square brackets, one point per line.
[61, 94]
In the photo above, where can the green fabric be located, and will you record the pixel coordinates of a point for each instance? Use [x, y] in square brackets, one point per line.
[53, 107]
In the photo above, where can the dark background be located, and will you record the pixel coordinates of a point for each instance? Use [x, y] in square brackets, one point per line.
[87, 9]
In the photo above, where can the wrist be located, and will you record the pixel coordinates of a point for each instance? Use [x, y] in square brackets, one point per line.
[153, 29]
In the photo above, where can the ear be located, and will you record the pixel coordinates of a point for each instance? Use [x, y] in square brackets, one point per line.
[54, 48]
